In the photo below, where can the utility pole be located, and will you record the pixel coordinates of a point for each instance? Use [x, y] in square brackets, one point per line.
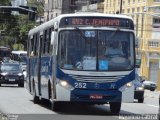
[120, 10]
[48, 12]
[142, 29]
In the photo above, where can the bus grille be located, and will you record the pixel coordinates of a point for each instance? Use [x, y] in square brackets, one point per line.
[96, 79]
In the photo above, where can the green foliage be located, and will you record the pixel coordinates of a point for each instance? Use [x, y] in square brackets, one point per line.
[16, 27]
[39, 5]
[18, 47]
[5, 2]
[16, 31]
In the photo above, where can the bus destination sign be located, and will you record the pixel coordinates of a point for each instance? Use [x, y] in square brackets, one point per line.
[96, 21]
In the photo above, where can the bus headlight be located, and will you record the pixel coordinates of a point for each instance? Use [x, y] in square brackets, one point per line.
[129, 84]
[65, 84]
[124, 87]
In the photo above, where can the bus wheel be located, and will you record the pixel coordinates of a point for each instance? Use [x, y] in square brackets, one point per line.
[35, 97]
[115, 107]
[55, 106]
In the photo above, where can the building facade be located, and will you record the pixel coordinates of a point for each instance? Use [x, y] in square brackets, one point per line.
[54, 8]
[18, 2]
[146, 16]
[90, 6]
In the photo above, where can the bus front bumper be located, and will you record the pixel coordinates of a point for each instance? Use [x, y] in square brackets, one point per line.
[97, 96]
[87, 95]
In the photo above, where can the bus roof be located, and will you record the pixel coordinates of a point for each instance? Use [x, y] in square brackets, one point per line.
[51, 22]
[19, 52]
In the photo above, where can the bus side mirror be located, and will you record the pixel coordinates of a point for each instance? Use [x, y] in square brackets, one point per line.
[53, 34]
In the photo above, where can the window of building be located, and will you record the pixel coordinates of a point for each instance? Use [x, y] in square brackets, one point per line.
[138, 9]
[123, 3]
[156, 0]
[128, 11]
[128, 1]
[118, 2]
[153, 44]
[123, 11]
[156, 20]
[133, 10]
[133, 1]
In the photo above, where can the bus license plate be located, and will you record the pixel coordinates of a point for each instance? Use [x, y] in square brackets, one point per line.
[95, 96]
[11, 79]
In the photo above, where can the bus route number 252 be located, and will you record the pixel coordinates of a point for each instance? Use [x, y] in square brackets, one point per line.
[80, 85]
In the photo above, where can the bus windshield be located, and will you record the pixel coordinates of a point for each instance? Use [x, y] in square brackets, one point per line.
[97, 50]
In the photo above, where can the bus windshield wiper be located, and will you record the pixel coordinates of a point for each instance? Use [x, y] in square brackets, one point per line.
[114, 32]
[81, 33]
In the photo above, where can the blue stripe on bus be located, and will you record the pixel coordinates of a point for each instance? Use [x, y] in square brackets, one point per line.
[118, 84]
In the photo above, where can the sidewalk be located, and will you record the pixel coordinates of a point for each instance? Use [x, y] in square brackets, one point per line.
[151, 94]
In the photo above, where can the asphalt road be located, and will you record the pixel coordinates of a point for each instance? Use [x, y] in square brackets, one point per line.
[16, 103]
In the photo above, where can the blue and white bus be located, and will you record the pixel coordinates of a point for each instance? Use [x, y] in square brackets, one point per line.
[68, 60]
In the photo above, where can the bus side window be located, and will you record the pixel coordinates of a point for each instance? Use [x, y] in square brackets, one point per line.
[31, 46]
[48, 41]
[34, 52]
[43, 44]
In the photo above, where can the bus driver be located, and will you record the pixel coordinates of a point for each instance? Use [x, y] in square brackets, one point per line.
[113, 49]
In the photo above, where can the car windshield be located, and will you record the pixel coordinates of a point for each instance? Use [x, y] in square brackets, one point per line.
[97, 50]
[10, 67]
[23, 59]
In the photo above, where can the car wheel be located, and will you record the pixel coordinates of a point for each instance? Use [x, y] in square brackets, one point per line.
[140, 100]
[0, 85]
[152, 89]
[115, 107]
[21, 84]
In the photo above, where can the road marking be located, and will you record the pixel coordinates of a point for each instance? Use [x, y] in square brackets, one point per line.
[153, 105]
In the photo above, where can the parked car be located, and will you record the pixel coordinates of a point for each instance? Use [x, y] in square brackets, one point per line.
[139, 89]
[149, 85]
[11, 73]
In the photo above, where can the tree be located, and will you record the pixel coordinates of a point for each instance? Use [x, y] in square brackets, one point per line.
[16, 27]
[5, 2]
[39, 4]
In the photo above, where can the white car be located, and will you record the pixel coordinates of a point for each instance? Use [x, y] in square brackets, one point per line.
[149, 85]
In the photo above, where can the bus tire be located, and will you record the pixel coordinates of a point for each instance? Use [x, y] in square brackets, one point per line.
[115, 107]
[35, 97]
[55, 106]
[0, 85]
